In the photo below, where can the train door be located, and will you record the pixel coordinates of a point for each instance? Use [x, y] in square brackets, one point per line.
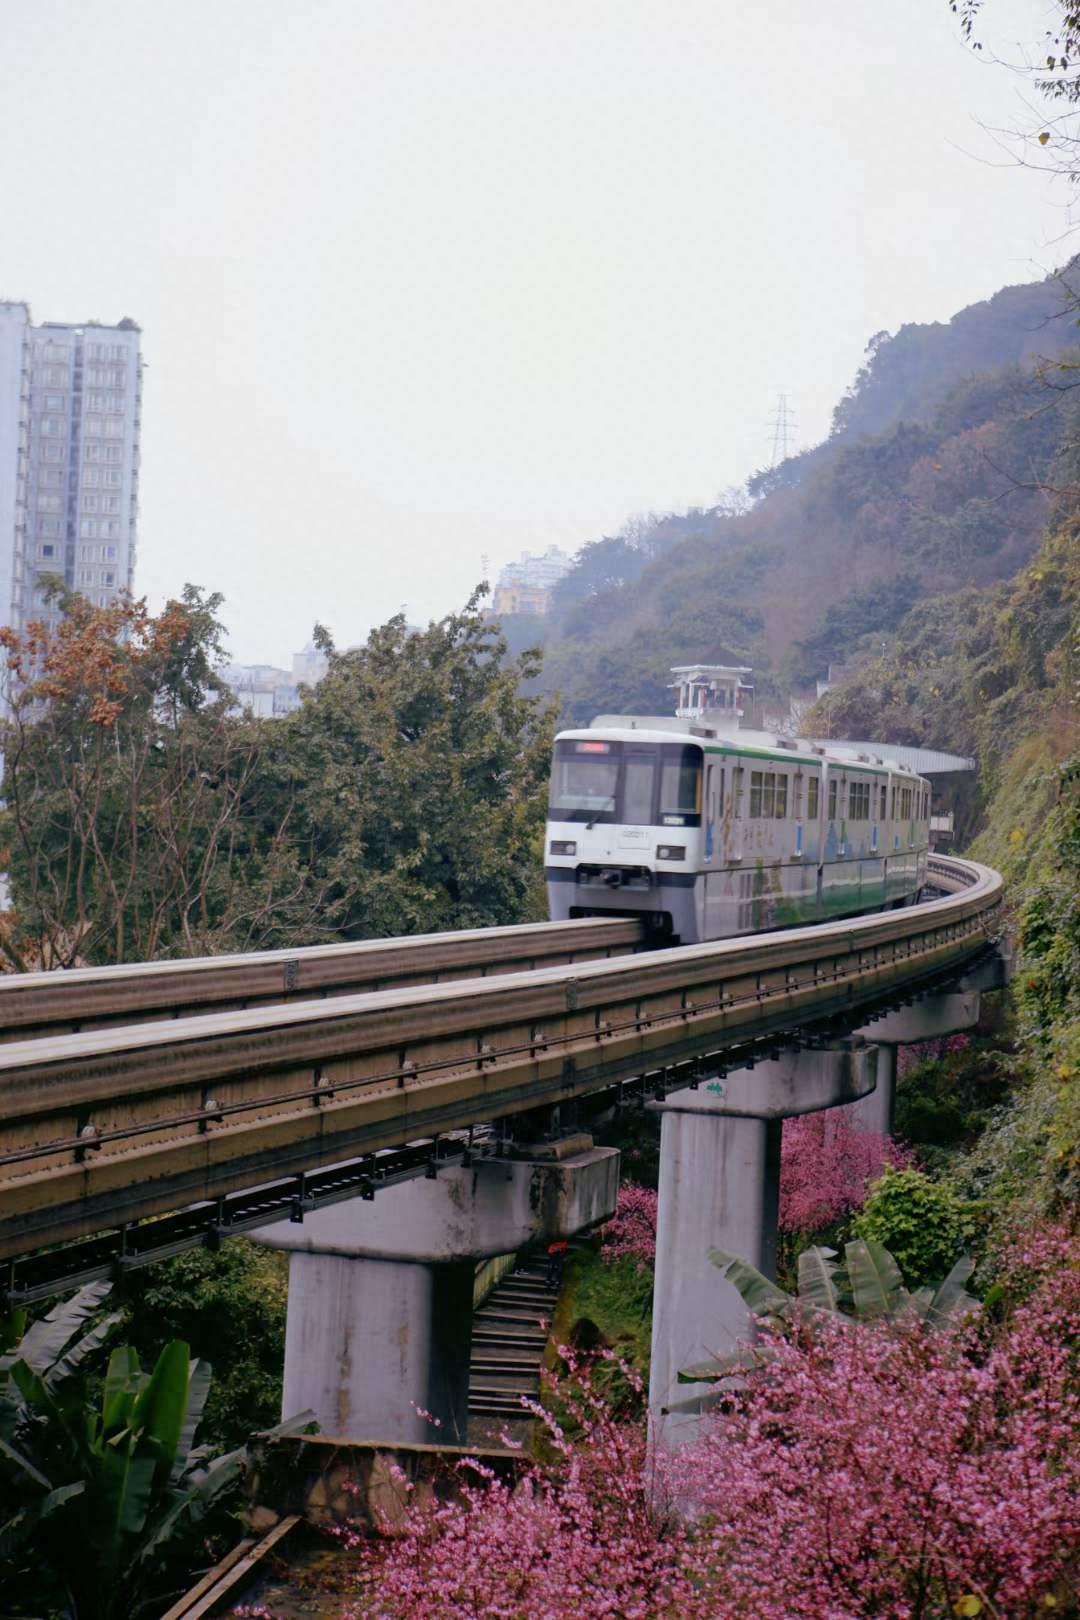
[708, 843]
[713, 850]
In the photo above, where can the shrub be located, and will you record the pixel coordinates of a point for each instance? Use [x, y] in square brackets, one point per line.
[947, 1092]
[229, 1305]
[921, 1222]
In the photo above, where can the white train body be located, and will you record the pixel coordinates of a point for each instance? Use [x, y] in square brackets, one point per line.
[706, 836]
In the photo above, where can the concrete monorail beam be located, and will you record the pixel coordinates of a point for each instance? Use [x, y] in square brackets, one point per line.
[926, 1020]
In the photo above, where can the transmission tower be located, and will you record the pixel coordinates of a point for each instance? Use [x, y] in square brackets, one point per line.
[783, 427]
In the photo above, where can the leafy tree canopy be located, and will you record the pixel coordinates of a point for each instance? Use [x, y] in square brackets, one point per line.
[422, 773]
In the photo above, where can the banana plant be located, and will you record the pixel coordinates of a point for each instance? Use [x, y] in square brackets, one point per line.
[865, 1286]
[93, 1494]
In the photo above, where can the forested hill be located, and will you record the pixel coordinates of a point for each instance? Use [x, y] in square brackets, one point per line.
[934, 477]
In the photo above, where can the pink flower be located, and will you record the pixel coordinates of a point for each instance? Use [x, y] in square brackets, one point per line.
[826, 1166]
[631, 1231]
[866, 1472]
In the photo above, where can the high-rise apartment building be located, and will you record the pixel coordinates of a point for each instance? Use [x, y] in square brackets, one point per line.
[70, 405]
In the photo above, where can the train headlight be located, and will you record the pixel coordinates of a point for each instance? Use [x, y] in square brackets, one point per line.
[563, 846]
[671, 852]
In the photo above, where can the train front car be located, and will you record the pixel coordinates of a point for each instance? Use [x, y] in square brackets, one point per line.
[624, 829]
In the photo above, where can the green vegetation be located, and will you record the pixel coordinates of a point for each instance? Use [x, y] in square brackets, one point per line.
[143, 818]
[943, 1104]
[867, 1284]
[614, 1297]
[229, 1305]
[922, 1222]
[934, 477]
[101, 1483]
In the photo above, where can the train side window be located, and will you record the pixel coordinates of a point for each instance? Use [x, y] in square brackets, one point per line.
[832, 798]
[813, 790]
[756, 779]
[680, 787]
[768, 793]
[781, 796]
[719, 790]
[893, 812]
[881, 817]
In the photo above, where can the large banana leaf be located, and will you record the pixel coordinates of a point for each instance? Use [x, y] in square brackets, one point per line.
[72, 1359]
[16, 1529]
[725, 1366]
[199, 1376]
[819, 1277]
[711, 1400]
[952, 1298]
[31, 1387]
[189, 1505]
[45, 1341]
[123, 1380]
[877, 1288]
[759, 1294]
[24, 1465]
[158, 1410]
[121, 1492]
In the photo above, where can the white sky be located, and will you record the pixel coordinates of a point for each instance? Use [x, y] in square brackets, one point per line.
[421, 280]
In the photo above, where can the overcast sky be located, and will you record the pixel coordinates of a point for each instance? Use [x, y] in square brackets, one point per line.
[421, 280]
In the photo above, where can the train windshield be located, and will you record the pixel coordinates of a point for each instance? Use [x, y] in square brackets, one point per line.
[634, 784]
[584, 781]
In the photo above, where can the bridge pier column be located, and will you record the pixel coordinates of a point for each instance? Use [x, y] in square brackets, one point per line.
[720, 1188]
[379, 1326]
[924, 1020]
[877, 1110]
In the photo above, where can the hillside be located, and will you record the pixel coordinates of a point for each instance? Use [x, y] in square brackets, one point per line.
[934, 477]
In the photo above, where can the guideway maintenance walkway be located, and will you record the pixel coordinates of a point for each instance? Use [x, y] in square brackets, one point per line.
[107, 1127]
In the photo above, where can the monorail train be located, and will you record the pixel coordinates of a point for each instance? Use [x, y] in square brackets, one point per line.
[704, 836]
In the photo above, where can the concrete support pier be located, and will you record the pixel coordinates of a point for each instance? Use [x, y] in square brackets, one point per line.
[379, 1327]
[924, 1020]
[720, 1188]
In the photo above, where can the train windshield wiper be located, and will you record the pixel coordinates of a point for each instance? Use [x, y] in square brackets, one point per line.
[595, 817]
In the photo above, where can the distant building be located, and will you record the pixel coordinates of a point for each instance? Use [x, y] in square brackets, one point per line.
[521, 598]
[268, 691]
[837, 673]
[525, 586]
[309, 666]
[70, 414]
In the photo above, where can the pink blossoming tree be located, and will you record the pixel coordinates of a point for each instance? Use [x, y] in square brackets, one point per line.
[867, 1472]
[631, 1231]
[826, 1166]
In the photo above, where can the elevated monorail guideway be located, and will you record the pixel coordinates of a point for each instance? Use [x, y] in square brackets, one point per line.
[103, 1129]
[35, 1004]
